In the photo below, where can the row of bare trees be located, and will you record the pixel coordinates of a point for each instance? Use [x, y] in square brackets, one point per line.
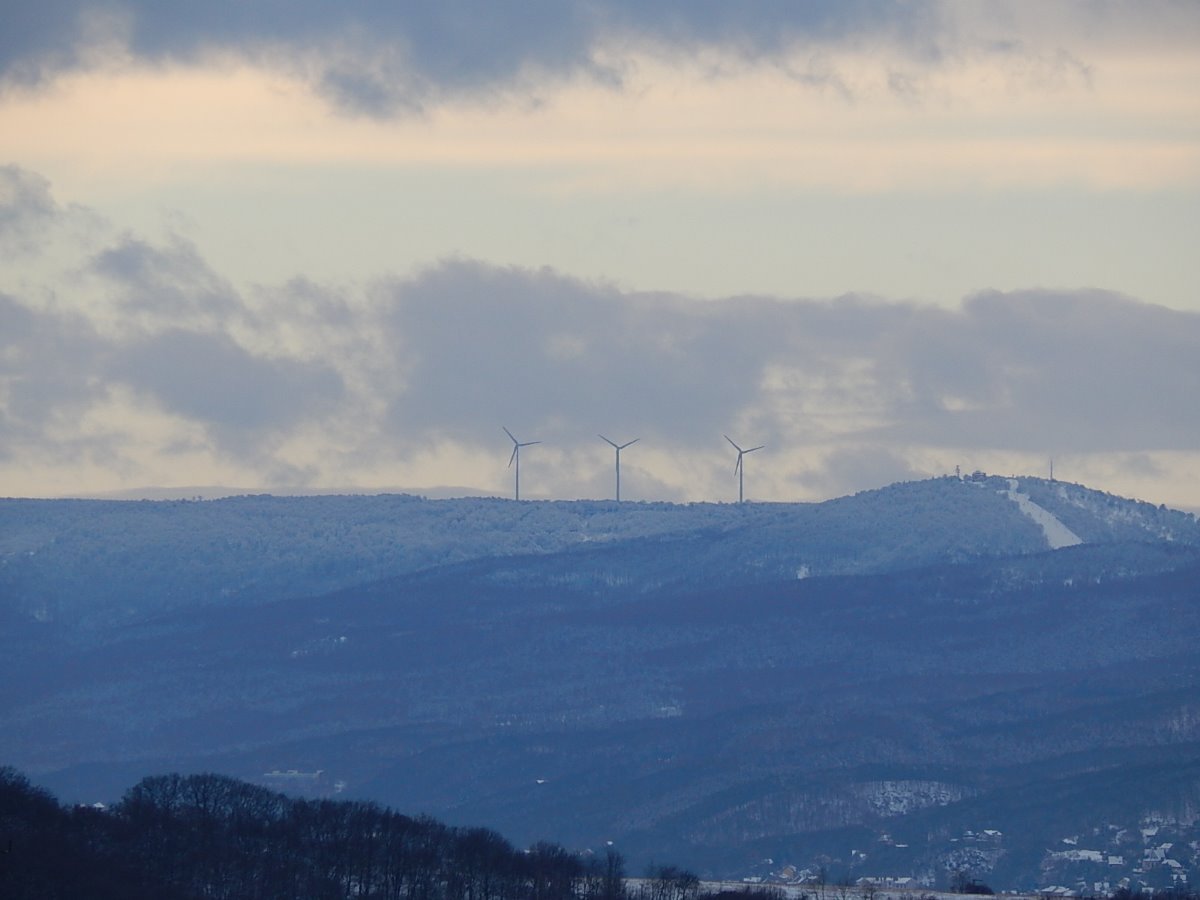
[175, 837]
[214, 837]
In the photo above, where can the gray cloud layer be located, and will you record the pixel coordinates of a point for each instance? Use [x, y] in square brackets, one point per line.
[48, 365]
[389, 59]
[455, 351]
[26, 207]
[210, 379]
[382, 58]
[1028, 370]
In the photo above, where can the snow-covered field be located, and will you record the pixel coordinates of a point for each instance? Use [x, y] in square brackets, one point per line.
[1057, 534]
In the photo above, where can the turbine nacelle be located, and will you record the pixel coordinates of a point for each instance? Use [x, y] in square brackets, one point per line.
[615, 445]
[517, 445]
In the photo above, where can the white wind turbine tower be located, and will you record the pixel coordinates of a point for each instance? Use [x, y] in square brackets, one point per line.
[516, 458]
[618, 448]
[739, 469]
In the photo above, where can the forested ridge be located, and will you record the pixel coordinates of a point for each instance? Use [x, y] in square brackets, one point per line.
[70, 561]
[176, 837]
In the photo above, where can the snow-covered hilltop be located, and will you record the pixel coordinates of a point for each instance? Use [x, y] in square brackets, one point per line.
[91, 558]
[1057, 534]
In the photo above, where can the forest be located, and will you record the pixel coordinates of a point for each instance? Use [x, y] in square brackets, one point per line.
[176, 837]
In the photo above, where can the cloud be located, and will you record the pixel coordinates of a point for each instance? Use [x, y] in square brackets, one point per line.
[48, 365]
[462, 348]
[109, 333]
[1078, 371]
[155, 357]
[372, 53]
[171, 282]
[26, 208]
[209, 378]
[388, 59]
[1027, 370]
[850, 468]
[543, 350]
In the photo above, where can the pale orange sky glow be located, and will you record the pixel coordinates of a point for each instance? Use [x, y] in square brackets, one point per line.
[1134, 123]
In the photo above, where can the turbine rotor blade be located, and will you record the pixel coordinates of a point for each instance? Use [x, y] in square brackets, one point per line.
[737, 465]
[626, 444]
[735, 446]
[528, 443]
[759, 447]
[516, 447]
[607, 441]
[510, 434]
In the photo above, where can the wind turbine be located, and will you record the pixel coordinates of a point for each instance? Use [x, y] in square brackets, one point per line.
[516, 458]
[738, 469]
[618, 448]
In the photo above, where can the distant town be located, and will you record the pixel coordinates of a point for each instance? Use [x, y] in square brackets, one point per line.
[1159, 855]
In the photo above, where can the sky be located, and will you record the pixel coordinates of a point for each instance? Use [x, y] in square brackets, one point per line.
[313, 246]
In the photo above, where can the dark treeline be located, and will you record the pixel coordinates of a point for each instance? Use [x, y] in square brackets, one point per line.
[175, 837]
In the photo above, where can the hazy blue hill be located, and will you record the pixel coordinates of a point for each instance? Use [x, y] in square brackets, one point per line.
[706, 683]
[94, 559]
[1098, 517]
[120, 559]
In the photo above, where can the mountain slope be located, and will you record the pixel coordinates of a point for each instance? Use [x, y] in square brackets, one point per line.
[85, 560]
[711, 684]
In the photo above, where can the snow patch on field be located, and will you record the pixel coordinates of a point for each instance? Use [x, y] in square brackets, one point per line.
[1057, 534]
